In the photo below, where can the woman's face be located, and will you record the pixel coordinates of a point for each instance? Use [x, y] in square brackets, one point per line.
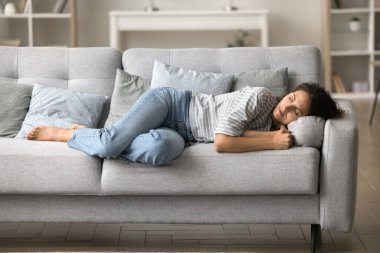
[291, 107]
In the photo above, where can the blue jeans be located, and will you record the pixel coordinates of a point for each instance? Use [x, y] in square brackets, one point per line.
[154, 131]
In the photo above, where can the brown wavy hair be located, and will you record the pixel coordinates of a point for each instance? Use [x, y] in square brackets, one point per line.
[322, 104]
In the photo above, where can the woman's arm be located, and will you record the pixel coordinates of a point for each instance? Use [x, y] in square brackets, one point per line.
[254, 141]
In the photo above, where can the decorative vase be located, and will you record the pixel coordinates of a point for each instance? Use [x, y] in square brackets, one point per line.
[230, 6]
[355, 24]
[151, 7]
[9, 9]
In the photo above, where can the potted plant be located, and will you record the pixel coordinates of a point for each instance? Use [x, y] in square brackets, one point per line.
[355, 24]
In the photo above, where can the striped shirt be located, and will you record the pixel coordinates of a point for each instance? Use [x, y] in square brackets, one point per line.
[230, 113]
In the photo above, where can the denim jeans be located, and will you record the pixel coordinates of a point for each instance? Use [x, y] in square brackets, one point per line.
[154, 131]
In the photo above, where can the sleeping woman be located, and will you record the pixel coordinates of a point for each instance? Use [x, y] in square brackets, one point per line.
[158, 126]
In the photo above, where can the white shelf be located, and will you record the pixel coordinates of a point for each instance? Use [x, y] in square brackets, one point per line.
[350, 53]
[14, 16]
[51, 15]
[347, 53]
[350, 11]
[352, 95]
[35, 17]
[127, 21]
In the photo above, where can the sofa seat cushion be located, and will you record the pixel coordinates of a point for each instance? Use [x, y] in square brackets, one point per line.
[202, 171]
[41, 167]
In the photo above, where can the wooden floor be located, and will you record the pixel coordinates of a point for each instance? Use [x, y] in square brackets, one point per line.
[220, 237]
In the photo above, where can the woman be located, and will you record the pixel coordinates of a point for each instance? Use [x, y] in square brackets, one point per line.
[157, 128]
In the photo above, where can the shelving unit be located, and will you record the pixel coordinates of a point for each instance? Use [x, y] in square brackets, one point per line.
[34, 18]
[349, 53]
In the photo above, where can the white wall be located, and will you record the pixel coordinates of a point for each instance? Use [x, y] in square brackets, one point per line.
[291, 22]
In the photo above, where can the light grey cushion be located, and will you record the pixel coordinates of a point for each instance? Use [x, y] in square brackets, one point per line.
[308, 131]
[165, 75]
[276, 80]
[52, 106]
[14, 104]
[200, 170]
[46, 167]
[128, 88]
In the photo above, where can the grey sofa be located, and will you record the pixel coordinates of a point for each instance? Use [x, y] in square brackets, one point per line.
[49, 182]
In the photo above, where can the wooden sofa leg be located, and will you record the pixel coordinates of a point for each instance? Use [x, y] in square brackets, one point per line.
[315, 233]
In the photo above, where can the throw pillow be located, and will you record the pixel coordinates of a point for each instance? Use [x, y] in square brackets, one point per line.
[308, 131]
[52, 106]
[14, 104]
[276, 80]
[165, 75]
[128, 88]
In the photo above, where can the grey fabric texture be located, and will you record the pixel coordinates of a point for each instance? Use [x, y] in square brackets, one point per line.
[308, 131]
[165, 75]
[303, 62]
[200, 170]
[43, 167]
[161, 209]
[52, 106]
[276, 80]
[128, 88]
[89, 70]
[35, 168]
[14, 104]
[339, 171]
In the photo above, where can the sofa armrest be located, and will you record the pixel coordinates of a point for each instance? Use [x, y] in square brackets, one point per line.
[338, 175]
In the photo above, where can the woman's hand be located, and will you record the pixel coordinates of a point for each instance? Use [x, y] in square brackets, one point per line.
[283, 138]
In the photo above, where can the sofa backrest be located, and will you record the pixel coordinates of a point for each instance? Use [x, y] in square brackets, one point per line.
[303, 62]
[91, 70]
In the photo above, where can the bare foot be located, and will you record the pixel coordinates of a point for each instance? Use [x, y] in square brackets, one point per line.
[48, 133]
[76, 126]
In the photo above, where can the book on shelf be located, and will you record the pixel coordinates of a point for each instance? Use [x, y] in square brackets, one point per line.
[1, 6]
[59, 6]
[338, 83]
[14, 42]
[27, 7]
[22, 5]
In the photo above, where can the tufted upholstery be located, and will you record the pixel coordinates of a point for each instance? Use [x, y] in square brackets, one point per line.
[304, 62]
[91, 70]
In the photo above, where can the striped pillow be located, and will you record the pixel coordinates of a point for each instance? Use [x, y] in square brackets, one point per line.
[128, 88]
[276, 80]
[14, 104]
[52, 106]
[203, 82]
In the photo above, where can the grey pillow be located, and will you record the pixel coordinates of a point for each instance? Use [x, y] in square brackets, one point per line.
[128, 88]
[14, 104]
[165, 75]
[276, 80]
[308, 131]
[52, 106]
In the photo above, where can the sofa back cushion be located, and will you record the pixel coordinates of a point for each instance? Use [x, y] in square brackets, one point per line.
[303, 62]
[128, 88]
[276, 80]
[14, 104]
[165, 75]
[90, 70]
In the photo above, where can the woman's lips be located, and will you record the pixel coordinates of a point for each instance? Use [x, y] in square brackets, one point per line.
[281, 113]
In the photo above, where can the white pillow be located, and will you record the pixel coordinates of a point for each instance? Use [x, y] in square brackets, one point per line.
[165, 75]
[308, 131]
[52, 106]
